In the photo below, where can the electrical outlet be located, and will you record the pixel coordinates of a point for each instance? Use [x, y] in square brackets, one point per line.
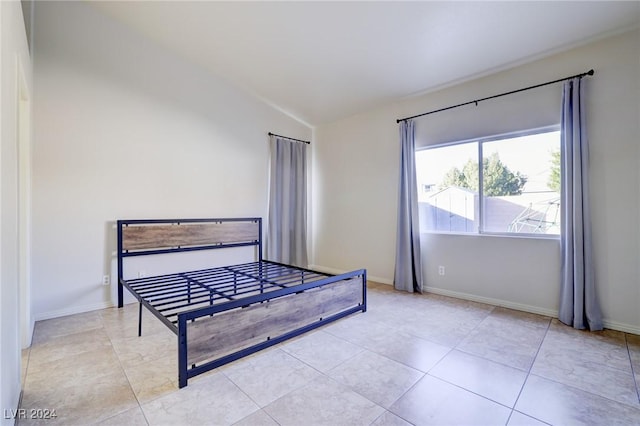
[440, 270]
[106, 280]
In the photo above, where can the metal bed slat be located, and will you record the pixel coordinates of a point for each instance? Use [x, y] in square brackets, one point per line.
[161, 280]
[227, 285]
[161, 284]
[289, 273]
[262, 281]
[182, 280]
[220, 279]
[243, 293]
[264, 270]
[257, 267]
[151, 280]
[173, 294]
[160, 287]
[156, 284]
[169, 300]
[181, 298]
[273, 274]
[207, 288]
[217, 272]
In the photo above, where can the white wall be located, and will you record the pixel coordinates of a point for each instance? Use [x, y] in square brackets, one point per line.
[356, 176]
[126, 129]
[14, 60]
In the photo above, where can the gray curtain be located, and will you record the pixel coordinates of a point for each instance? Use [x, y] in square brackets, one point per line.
[408, 271]
[286, 240]
[578, 302]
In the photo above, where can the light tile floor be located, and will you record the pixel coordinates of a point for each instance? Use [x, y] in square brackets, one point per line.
[410, 359]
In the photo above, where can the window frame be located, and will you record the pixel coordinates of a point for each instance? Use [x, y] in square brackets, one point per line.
[480, 141]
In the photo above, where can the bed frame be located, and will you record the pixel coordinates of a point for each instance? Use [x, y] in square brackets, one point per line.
[224, 313]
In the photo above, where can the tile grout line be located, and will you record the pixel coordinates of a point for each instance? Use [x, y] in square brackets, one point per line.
[393, 414]
[369, 399]
[402, 396]
[23, 381]
[626, 404]
[56, 338]
[493, 307]
[363, 349]
[535, 357]
[580, 389]
[123, 372]
[250, 399]
[474, 393]
[260, 408]
[451, 349]
[374, 351]
[633, 373]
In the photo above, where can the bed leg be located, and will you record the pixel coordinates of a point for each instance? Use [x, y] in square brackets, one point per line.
[140, 319]
[120, 294]
[182, 351]
[364, 291]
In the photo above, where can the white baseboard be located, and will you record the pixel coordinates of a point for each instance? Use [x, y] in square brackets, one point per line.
[334, 271]
[627, 328]
[26, 340]
[496, 302]
[73, 310]
[612, 325]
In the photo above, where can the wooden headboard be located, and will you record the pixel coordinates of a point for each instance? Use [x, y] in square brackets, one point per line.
[139, 237]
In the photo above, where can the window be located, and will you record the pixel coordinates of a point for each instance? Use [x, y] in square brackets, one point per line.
[519, 181]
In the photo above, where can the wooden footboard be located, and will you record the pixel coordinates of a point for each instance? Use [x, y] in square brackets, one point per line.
[231, 331]
[244, 327]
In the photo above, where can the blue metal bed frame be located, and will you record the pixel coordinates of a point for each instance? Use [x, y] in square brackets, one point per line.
[182, 298]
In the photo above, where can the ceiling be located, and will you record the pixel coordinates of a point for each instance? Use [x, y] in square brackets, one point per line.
[322, 61]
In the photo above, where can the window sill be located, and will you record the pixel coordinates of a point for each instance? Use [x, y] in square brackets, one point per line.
[495, 235]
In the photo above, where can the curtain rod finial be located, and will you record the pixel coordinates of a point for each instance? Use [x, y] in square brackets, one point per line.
[591, 72]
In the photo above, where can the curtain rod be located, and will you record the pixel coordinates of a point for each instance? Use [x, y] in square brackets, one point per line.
[291, 139]
[590, 72]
